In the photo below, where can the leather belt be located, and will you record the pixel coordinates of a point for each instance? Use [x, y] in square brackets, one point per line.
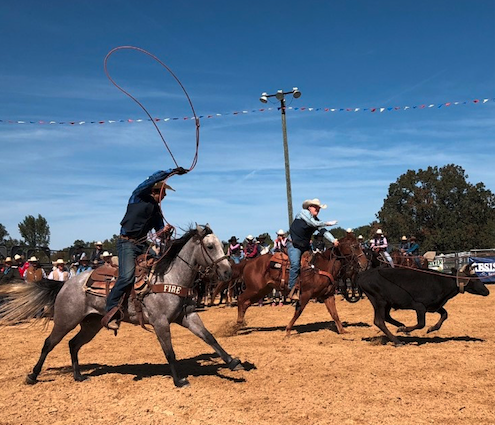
[127, 238]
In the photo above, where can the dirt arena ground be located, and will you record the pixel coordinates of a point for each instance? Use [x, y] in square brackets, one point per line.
[314, 377]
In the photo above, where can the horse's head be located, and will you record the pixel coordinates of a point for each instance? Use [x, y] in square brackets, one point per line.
[350, 249]
[210, 253]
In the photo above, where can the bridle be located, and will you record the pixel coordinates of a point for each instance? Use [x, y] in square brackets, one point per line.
[349, 258]
[213, 264]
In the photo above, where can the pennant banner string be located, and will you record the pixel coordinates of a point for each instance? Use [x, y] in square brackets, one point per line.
[261, 110]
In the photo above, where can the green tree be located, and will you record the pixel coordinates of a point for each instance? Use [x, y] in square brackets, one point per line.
[440, 208]
[3, 232]
[35, 231]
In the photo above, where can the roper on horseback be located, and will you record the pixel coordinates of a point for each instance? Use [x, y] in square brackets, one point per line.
[143, 214]
[301, 230]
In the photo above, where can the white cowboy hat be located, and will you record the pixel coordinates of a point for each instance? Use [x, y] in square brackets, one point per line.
[17, 257]
[308, 202]
[59, 261]
[404, 238]
[158, 186]
[249, 237]
[360, 237]
[33, 259]
[281, 232]
[349, 230]
[99, 243]
[106, 254]
[379, 232]
[8, 260]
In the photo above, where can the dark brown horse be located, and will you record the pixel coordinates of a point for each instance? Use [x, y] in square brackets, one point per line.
[260, 279]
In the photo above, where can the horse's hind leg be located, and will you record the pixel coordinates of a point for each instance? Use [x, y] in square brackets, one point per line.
[58, 332]
[90, 326]
[194, 323]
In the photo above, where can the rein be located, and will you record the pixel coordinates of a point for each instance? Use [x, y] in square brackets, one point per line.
[461, 281]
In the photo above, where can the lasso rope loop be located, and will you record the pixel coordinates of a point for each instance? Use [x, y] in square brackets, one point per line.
[196, 119]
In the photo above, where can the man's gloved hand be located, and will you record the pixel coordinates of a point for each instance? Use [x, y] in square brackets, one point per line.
[331, 223]
[168, 228]
[336, 242]
[180, 171]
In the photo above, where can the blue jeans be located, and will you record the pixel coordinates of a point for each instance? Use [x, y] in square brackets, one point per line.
[295, 263]
[236, 259]
[128, 252]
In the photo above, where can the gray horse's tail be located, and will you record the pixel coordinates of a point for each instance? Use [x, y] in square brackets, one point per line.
[24, 301]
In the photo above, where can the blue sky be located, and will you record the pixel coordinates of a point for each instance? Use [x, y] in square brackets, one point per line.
[357, 54]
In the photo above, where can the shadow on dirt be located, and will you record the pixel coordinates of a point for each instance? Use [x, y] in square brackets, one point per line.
[306, 328]
[412, 340]
[202, 365]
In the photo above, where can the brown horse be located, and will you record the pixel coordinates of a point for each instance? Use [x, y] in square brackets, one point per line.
[233, 285]
[260, 279]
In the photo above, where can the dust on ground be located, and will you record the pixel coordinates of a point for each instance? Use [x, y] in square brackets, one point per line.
[314, 377]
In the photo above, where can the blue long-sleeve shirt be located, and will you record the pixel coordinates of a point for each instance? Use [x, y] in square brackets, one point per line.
[143, 212]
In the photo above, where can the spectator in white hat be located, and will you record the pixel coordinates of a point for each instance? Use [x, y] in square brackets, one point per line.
[107, 259]
[280, 243]
[34, 272]
[301, 230]
[96, 254]
[60, 273]
[9, 271]
[379, 246]
[251, 248]
[21, 264]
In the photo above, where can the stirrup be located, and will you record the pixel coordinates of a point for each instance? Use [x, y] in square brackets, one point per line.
[111, 322]
[294, 294]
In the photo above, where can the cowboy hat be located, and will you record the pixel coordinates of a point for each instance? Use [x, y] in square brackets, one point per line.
[233, 239]
[360, 237]
[158, 186]
[99, 243]
[8, 260]
[249, 237]
[17, 257]
[33, 259]
[349, 230]
[379, 232]
[404, 238]
[281, 232]
[84, 257]
[316, 202]
[106, 254]
[59, 261]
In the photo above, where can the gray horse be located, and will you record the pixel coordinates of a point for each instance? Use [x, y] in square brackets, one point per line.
[71, 305]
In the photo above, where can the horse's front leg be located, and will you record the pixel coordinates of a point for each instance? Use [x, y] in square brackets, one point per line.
[162, 330]
[194, 323]
[332, 309]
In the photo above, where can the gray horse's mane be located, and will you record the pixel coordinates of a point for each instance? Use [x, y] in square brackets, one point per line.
[176, 245]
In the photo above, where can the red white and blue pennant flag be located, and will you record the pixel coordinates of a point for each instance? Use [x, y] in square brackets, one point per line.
[257, 111]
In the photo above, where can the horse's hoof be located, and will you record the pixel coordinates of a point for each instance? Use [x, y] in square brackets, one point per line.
[401, 329]
[182, 383]
[236, 364]
[398, 344]
[81, 378]
[31, 379]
